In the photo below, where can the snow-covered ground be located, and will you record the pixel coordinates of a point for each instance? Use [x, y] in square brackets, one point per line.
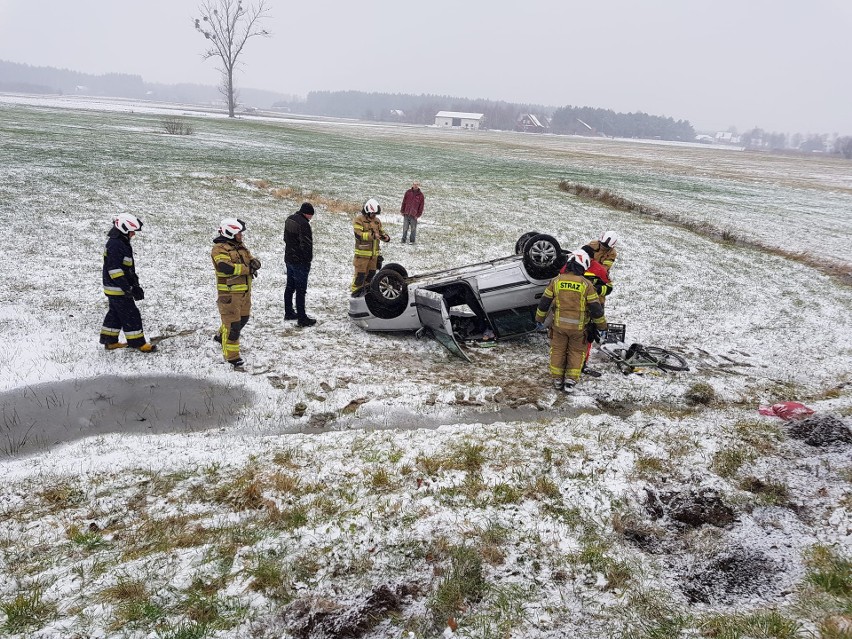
[279, 502]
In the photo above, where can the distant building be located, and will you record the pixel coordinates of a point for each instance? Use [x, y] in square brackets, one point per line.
[529, 123]
[455, 120]
[726, 137]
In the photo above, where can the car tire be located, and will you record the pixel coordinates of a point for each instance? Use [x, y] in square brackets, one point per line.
[543, 257]
[387, 296]
[519, 245]
[399, 268]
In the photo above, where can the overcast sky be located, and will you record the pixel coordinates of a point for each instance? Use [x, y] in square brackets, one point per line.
[782, 65]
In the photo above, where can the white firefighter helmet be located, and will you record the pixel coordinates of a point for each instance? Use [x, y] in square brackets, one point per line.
[609, 239]
[127, 223]
[582, 258]
[231, 227]
[371, 207]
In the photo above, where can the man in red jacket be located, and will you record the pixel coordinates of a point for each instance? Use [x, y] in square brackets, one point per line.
[411, 209]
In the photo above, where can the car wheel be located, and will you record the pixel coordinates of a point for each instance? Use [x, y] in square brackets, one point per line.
[519, 245]
[399, 268]
[543, 257]
[387, 296]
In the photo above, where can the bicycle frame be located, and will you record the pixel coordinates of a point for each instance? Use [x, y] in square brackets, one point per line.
[628, 359]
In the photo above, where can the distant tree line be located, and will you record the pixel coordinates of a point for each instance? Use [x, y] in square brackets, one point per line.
[23, 78]
[409, 108]
[400, 107]
[421, 109]
[589, 120]
[757, 138]
[64, 81]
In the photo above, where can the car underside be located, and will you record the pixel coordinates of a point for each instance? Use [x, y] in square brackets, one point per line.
[495, 299]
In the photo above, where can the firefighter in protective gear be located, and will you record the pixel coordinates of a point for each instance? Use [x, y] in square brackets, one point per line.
[368, 233]
[599, 277]
[235, 268]
[121, 286]
[575, 303]
[603, 249]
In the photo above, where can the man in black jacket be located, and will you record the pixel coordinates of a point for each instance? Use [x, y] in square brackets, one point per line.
[298, 254]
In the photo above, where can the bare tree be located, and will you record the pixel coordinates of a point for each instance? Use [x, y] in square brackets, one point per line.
[228, 25]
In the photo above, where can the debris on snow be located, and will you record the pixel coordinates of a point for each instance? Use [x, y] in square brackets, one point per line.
[821, 430]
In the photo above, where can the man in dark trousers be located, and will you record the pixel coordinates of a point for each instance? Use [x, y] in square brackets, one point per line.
[121, 286]
[298, 254]
[411, 209]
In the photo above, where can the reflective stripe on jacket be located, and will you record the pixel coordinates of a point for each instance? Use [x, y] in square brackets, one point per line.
[231, 261]
[368, 231]
[601, 253]
[119, 270]
[575, 303]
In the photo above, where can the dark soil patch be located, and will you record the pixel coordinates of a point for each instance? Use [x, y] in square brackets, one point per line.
[733, 576]
[692, 508]
[821, 431]
[34, 418]
[313, 618]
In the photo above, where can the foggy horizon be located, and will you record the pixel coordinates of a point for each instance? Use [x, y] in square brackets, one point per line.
[715, 64]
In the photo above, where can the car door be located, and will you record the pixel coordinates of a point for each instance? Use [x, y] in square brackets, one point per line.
[434, 315]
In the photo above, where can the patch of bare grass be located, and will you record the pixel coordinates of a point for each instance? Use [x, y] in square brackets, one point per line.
[330, 204]
[463, 584]
[728, 461]
[243, 492]
[649, 466]
[61, 496]
[770, 492]
[763, 437]
[761, 623]
[163, 535]
[26, 611]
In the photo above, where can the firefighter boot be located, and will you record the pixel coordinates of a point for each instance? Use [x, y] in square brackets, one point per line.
[147, 348]
[115, 346]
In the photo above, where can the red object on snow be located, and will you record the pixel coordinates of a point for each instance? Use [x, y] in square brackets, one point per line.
[786, 410]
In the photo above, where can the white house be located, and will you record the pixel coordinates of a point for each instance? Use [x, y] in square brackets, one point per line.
[455, 120]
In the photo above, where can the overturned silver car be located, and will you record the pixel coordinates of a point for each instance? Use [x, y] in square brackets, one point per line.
[464, 303]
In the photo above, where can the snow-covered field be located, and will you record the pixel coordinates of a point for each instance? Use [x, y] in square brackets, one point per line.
[354, 484]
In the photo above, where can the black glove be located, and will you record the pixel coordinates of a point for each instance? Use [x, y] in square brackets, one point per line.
[591, 333]
[254, 264]
[138, 293]
[379, 261]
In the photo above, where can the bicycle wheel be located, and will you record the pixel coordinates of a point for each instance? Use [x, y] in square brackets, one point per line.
[664, 359]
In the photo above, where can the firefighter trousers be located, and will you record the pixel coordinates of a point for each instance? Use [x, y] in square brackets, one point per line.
[567, 353]
[365, 269]
[234, 309]
[123, 315]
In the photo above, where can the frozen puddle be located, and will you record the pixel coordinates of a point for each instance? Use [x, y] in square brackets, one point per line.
[34, 418]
